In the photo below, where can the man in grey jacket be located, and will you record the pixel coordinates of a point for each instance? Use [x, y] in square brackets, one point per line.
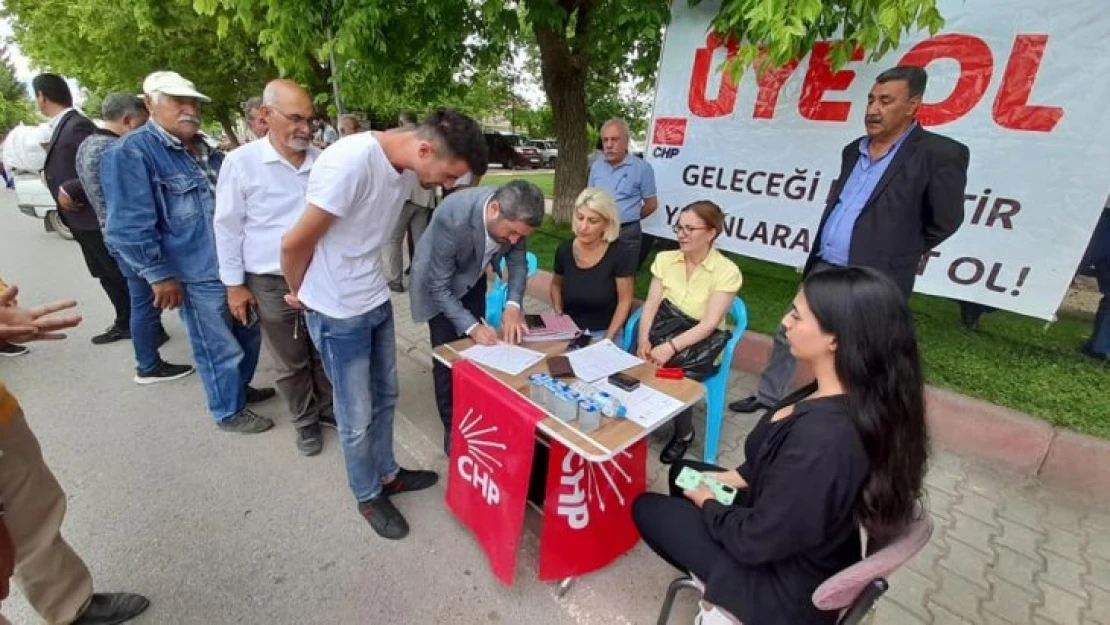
[469, 230]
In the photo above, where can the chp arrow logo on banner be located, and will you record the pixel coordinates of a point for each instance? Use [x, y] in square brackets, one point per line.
[587, 516]
[492, 442]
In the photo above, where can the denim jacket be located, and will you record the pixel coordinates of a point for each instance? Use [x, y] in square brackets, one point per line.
[160, 207]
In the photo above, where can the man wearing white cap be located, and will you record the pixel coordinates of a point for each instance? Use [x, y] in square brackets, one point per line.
[159, 184]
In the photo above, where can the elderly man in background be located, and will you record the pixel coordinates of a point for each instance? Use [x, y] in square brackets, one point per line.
[631, 182]
[261, 192]
[256, 121]
[122, 113]
[159, 182]
[349, 125]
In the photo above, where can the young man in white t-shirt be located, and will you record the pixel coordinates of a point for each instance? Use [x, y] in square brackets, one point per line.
[331, 259]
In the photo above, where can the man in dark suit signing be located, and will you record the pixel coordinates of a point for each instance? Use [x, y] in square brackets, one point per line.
[68, 128]
[470, 229]
[900, 193]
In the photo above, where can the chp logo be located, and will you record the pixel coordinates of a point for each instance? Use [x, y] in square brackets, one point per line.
[668, 131]
[589, 485]
[477, 464]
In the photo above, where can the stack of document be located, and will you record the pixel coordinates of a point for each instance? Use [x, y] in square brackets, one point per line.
[600, 360]
[556, 328]
[511, 359]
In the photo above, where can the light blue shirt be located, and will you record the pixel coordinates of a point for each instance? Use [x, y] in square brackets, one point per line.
[630, 183]
[836, 238]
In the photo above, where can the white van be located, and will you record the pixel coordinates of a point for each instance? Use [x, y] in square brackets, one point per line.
[23, 160]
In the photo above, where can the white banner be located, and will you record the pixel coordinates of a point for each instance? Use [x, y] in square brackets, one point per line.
[1023, 83]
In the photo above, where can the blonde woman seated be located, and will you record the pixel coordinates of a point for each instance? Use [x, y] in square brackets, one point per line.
[592, 281]
[701, 284]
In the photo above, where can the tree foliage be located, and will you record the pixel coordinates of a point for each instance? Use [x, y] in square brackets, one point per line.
[389, 55]
[15, 103]
[112, 46]
[774, 32]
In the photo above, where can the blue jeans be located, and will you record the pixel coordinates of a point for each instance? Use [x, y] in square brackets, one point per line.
[145, 322]
[1099, 342]
[225, 351]
[360, 358]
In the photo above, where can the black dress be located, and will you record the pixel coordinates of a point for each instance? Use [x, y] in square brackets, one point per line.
[790, 530]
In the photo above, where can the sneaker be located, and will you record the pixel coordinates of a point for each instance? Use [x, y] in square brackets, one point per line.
[328, 421]
[384, 517]
[256, 395]
[246, 422]
[164, 372]
[163, 336]
[408, 481]
[310, 440]
[110, 335]
[11, 350]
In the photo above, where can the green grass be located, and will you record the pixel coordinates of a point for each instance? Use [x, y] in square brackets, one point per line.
[1013, 361]
[546, 182]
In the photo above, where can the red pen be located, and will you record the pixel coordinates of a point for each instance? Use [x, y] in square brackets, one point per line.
[670, 373]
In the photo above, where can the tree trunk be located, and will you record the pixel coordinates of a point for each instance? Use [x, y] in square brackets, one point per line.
[564, 80]
[229, 128]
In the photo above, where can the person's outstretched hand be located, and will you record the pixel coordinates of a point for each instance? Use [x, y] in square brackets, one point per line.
[22, 325]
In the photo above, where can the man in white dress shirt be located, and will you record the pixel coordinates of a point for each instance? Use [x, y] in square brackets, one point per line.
[331, 259]
[260, 194]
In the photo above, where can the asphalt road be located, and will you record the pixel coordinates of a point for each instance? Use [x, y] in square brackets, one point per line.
[225, 528]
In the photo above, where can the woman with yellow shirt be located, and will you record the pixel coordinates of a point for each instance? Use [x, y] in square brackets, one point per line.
[700, 282]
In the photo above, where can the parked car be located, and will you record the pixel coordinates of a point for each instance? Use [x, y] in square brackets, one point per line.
[34, 200]
[23, 159]
[512, 151]
[549, 151]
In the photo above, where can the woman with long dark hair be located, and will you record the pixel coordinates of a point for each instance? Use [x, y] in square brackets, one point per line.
[846, 451]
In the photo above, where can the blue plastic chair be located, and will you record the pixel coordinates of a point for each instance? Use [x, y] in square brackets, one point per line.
[716, 385]
[499, 294]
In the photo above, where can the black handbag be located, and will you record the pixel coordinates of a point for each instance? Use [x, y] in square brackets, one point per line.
[699, 360]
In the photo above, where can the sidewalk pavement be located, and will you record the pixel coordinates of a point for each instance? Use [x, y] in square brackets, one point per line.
[1005, 549]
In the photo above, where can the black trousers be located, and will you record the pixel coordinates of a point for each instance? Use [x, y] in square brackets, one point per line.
[104, 268]
[441, 331]
[675, 528]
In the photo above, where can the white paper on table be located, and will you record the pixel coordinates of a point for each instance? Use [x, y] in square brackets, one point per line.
[511, 359]
[645, 406]
[600, 360]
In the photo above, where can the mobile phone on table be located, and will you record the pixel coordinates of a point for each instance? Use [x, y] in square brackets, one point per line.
[534, 322]
[624, 382]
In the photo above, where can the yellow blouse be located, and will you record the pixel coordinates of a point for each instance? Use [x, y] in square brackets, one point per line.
[715, 273]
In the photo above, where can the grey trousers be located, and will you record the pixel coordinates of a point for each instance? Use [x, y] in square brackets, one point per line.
[301, 379]
[413, 221]
[774, 382]
[630, 238]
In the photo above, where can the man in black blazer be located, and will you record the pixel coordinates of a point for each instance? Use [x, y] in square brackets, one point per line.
[68, 128]
[900, 193]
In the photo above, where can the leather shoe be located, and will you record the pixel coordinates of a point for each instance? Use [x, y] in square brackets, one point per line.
[748, 404]
[676, 449]
[111, 335]
[310, 440]
[112, 608]
[256, 395]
